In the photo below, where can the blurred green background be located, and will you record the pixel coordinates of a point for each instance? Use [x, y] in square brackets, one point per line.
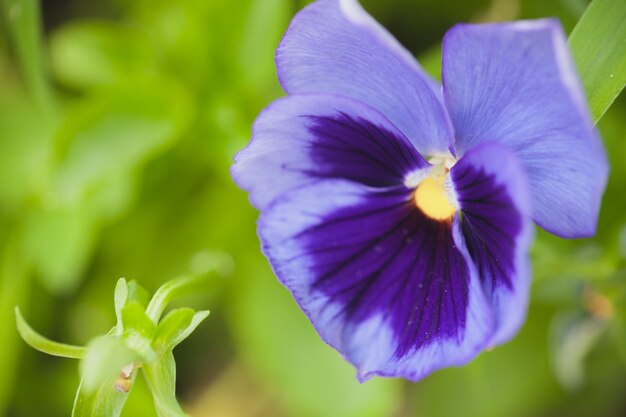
[119, 120]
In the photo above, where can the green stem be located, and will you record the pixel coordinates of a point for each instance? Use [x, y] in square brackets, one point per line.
[43, 344]
[23, 21]
[161, 380]
[171, 290]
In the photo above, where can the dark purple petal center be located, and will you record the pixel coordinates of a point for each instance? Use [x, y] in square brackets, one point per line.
[356, 149]
[491, 224]
[385, 256]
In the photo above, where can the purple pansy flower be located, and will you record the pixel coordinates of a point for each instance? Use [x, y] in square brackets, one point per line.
[398, 213]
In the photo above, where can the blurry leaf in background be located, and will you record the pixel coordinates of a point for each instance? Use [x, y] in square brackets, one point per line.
[573, 338]
[100, 146]
[116, 130]
[25, 145]
[58, 242]
[87, 54]
[266, 21]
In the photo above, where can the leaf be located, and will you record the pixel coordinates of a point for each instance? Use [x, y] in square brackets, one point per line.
[170, 327]
[104, 401]
[177, 325]
[120, 296]
[598, 44]
[161, 378]
[573, 338]
[105, 358]
[138, 330]
[135, 320]
[172, 289]
[43, 344]
[126, 293]
[137, 293]
[197, 318]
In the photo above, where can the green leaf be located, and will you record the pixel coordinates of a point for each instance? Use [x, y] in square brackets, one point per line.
[138, 330]
[137, 293]
[161, 378]
[195, 322]
[173, 324]
[105, 359]
[171, 290]
[105, 401]
[127, 293]
[598, 44]
[177, 325]
[135, 320]
[119, 300]
[43, 344]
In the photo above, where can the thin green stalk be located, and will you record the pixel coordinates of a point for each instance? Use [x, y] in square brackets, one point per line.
[171, 290]
[23, 22]
[43, 344]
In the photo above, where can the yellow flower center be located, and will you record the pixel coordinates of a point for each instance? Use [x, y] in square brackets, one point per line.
[432, 197]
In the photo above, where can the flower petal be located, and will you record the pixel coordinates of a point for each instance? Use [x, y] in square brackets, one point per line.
[493, 196]
[381, 282]
[307, 138]
[514, 83]
[334, 46]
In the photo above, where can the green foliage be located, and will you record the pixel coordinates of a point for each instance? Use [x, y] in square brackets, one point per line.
[109, 362]
[105, 358]
[161, 378]
[102, 401]
[598, 45]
